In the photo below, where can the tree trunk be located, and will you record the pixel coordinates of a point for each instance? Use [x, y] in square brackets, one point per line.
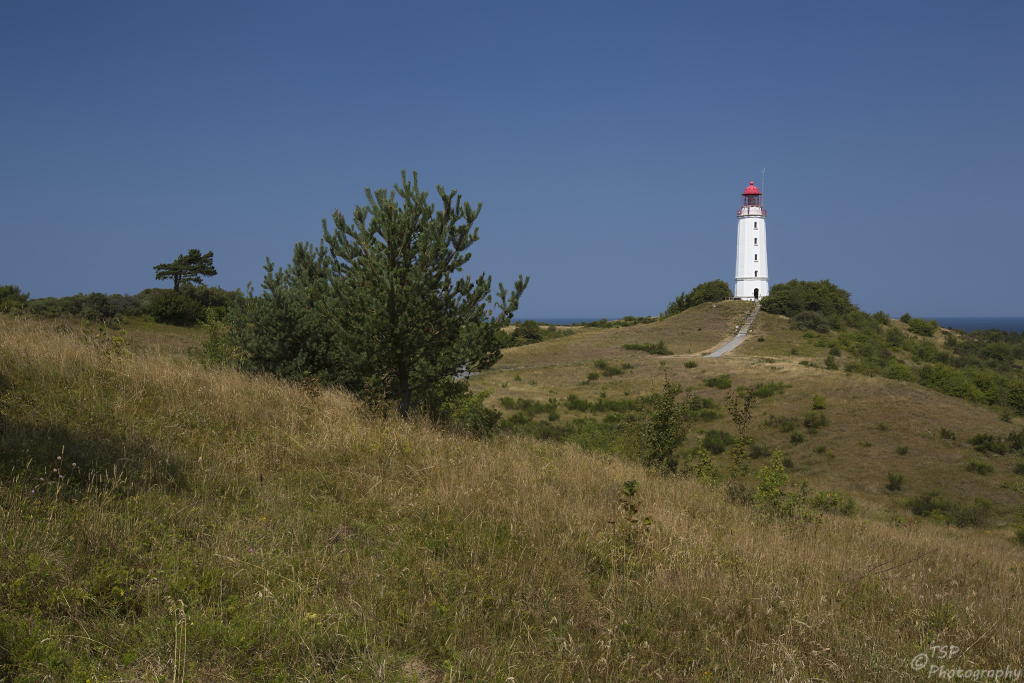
[406, 392]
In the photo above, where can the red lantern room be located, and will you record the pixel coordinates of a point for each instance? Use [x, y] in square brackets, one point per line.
[751, 196]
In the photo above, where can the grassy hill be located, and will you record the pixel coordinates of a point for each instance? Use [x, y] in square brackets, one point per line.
[162, 520]
[871, 419]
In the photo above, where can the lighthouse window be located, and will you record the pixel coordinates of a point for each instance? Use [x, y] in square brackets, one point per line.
[755, 241]
[755, 257]
[755, 273]
[755, 225]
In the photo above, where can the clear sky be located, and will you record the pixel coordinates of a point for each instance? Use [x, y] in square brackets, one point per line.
[608, 142]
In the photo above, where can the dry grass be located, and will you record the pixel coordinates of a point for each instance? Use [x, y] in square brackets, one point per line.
[912, 415]
[308, 541]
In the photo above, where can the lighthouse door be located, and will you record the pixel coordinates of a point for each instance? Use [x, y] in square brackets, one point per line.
[755, 293]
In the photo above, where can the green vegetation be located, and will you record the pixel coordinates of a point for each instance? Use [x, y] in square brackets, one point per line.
[706, 292]
[376, 307]
[981, 468]
[719, 382]
[895, 481]
[658, 349]
[797, 296]
[12, 298]
[941, 509]
[187, 268]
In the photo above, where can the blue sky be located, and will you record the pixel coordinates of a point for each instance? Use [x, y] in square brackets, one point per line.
[608, 142]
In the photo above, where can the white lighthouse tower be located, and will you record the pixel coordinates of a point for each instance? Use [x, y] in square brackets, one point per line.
[751, 247]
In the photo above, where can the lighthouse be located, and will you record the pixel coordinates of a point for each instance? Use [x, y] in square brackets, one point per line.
[751, 247]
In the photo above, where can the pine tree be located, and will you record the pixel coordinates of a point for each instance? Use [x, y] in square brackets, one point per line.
[191, 267]
[403, 320]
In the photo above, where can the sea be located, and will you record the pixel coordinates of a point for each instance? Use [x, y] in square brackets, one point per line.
[972, 324]
[968, 324]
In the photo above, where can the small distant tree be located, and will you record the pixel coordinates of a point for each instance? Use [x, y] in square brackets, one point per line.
[191, 267]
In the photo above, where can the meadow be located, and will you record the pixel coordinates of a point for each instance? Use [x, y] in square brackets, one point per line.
[164, 519]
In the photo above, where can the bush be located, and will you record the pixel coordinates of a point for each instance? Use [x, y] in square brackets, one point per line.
[810, 320]
[881, 317]
[690, 364]
[831, 363]
[1015, 441]
[818, 402]
[706, 292]
[925, 328]
[759, 451]
[607, 369]
[767, 390]
[176, 308]
[981, 468]
[936, 506]
[905, 318]
[796, 437]
[947, 434]
[716, 441]
[591, 376]
[987, 443]
[12, 298]
[783, 424]
[902, 450]
[834, 502]
[815, 420]
[895, 481]
[792, 297]
[658, 349]
[720, 382]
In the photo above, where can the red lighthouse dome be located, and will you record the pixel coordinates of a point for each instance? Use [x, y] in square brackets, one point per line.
[751, 196]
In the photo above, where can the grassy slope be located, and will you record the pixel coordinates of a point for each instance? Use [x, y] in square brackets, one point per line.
[911, 415]
[291, 537]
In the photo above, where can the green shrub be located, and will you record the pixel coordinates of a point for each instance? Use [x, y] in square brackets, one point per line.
[988, 443]
[658, 349]
[690, 364]
[820, 449]
[936, 506]
[981, 468]
[706, 292]
[881, 317]
[818, 402]
[175, 308]
[902, 450]
[906, 318]
[925, 328]
[716, 441]
[831, 363]
[607, 369]
[1015, 441]
[796, 437]
[947, 434]
[767, 390]
[810, 320]
[758, 451]
[591, 376]
[720, 382]
[882, 427]
[834, 502]
[895, 481]
[783, 424]
[792, 297]
[815, 420]
[1018, 468]
[12, 298]
[760, 339]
